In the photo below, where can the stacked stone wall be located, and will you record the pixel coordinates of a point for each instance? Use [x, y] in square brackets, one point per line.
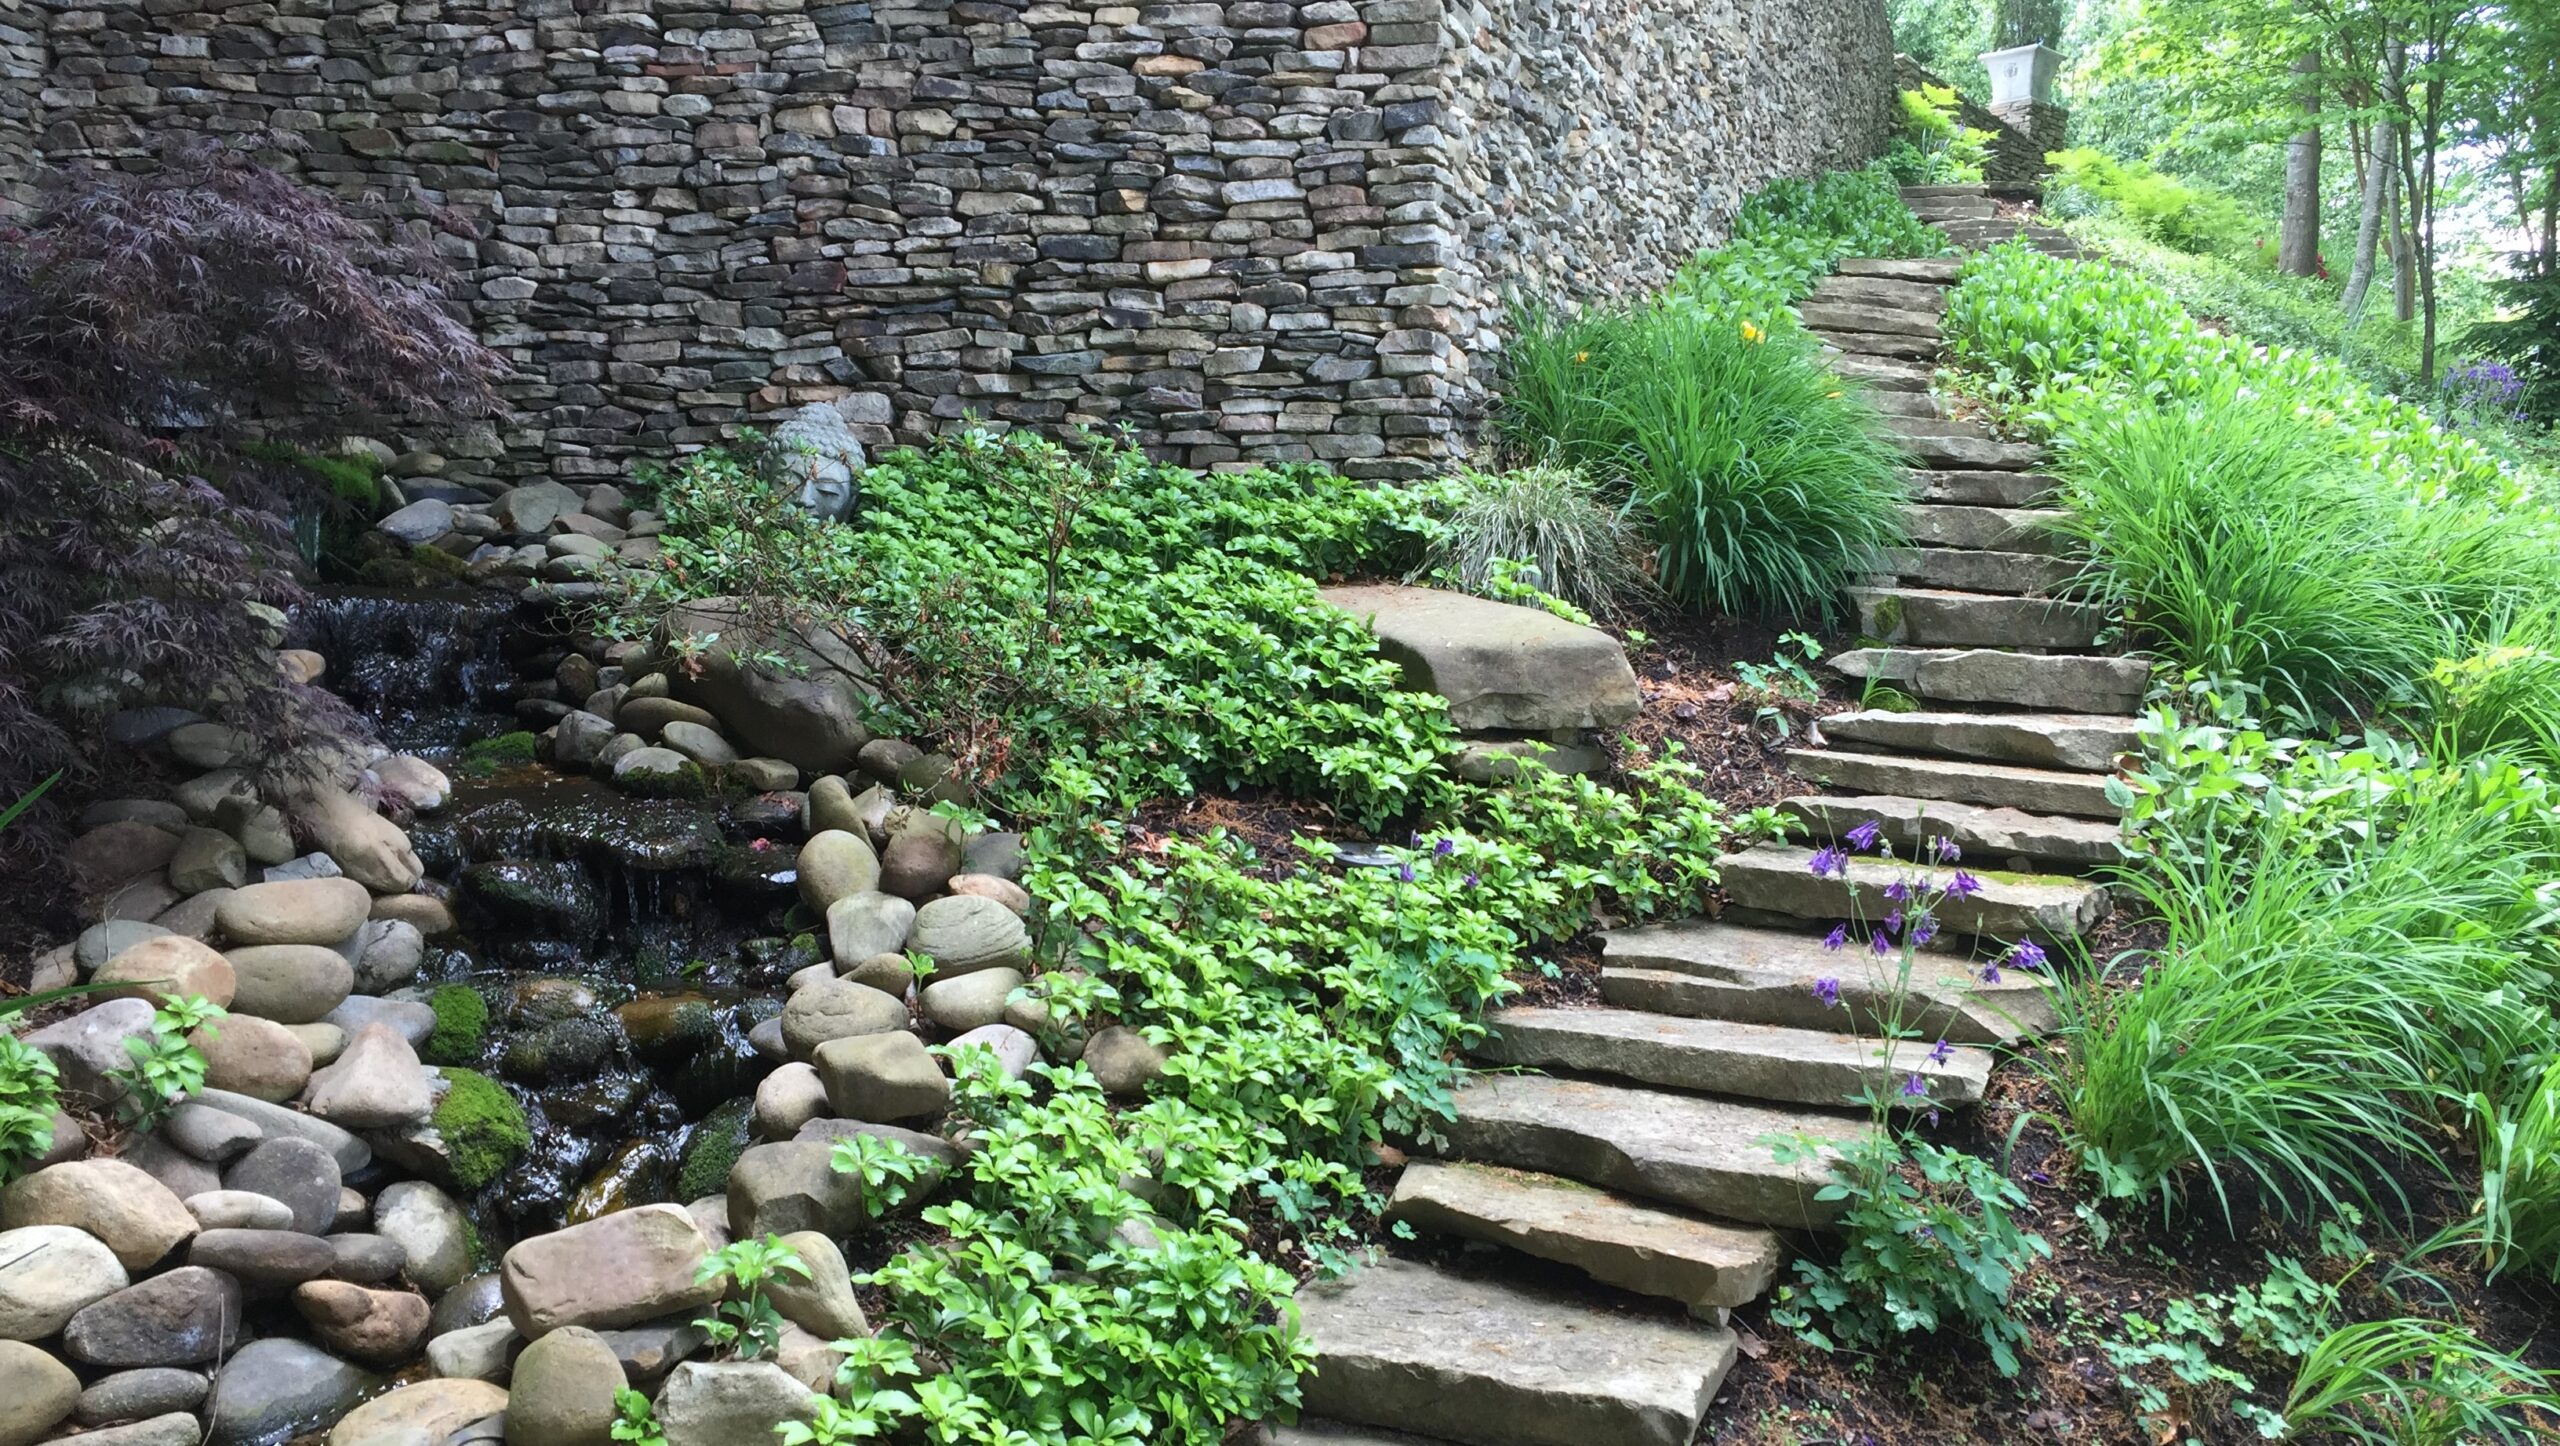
[1247, 231]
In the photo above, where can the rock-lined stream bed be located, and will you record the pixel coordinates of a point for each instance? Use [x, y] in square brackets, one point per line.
[525, 1020]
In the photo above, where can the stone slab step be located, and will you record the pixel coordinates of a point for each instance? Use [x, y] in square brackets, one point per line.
[1315, 1431]
[1964, 570]
[1974, 488]
[1935, 270]
[1880, 291]
[1957, 780]
[1842, 316]
[2079, 742]
[1972, 454]
[1488, 1363]
[2009, 836]
[1778, 880]
[1501, 667]
[1916, 406]
[1880, 374]
[1749, 1061]
[1955, 208]
[1940, 618]
[1716, 970]
[2079, 684]
[1917, 192]
[1712, 1156]
[1987, 529]
[1702, 1264]
[1872, 343]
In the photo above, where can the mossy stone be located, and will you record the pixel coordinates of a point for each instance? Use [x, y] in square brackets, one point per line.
[483, 1127]
[462, 1025]
[713, 1147]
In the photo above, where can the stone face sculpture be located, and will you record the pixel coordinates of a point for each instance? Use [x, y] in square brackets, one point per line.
[816, 449]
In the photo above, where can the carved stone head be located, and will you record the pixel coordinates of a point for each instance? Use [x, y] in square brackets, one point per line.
[816, 454]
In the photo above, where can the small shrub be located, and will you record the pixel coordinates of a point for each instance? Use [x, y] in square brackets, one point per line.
[1553, 519]
[746, 1325]
[167, 1067]
[2188, 216]
[462, 1025]
[28, 1082]
[1935, 148]
[2526, 336]
[483, 1127]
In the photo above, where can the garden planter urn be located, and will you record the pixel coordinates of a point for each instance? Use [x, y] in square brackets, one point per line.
[2023, 72]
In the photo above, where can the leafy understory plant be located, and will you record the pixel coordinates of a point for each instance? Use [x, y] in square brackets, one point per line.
[635, 1420]
[746, 1324]
[887, 1169]
[166, 1068]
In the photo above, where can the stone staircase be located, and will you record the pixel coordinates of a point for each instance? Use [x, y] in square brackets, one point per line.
[1622, 1170]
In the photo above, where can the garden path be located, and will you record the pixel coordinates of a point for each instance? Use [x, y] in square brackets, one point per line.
[1629, 1157]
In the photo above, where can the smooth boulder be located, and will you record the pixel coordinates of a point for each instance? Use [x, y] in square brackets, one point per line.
[133, 1215]
[616, 1270]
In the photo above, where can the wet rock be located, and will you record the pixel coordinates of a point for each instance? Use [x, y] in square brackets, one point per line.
[563, 1050]
[477, 1300]
[861, 926]
[300, 911]
[547, 899]
[132, 1214]
[476, 1353]
[48, 1274]
[255, 1057]
[562, 1392]
[712, 1146]
[378, 1083]
[239, 1210]
[838, 1009]
[36, 1392]
[659, 773]
[296, 1171]
[836, 865]
[145, 1392]
[185, 1317]
[970, 1001]
[167, 966]
[964, 933]
[425, 1411]
[788, 1098]
[619, 1270]
[822, 1304]
[667, 1026]
[380, 1327]
[430, 1228]
[289, 983]
[278, 1387]
[1122, 1060]
[366, 1259]
[708, 1404]
[887, 1077]
[262, 1259]
[779, 1188]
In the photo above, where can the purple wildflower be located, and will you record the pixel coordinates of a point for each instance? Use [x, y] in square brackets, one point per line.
[1444, 848]
[2025, 954]
[1941, 1052]
[1898, 891]
[1828, 991]
[1838, 936]
[1880, 944]
[1864, 835]
[1991, 971]
[1946, 850]
[1915, 1088]
[1925, 1233]
[1923, 928]
[1963, 885]
[1829, 861]
[1893, 922]
[1404, 873]
[1471, 881]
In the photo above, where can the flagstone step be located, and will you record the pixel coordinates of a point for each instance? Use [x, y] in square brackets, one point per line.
[1872, 343]
[1777, 880]
[2082, 742]
[1985, 529]
[1904, 425]
[2080, 684]
[1849, 316]
[2008, 836]
[1749, 1061]
[1880, 374]
[1935, 617]
[1962, 570]
[1705, 1265]
[1714, 970]
[1881, 291]
[1316, 1431]
[1935, 270]
[1492, 1363]
[1712, 1156]
[1936, 208]
[1917, 406]
[1972, 454]
[1974, 488]
[1958, 780]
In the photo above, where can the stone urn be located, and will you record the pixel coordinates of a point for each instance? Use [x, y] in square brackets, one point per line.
[2023, 72]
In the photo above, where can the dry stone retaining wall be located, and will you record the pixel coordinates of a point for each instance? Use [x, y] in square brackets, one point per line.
[1248, 231]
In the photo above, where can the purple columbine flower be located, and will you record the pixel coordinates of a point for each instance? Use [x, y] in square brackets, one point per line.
[1915, 1088]
[1829, 861]
[1963, 885]
[1828, 991]
[1899, 891]
[1880, 944]
[1864, 835]
[2026, 954]
[1941, 1052]
[1471, 881]
[1991, 971]
[1404, 873]
[1893, 922]
[1923, 928]
[1838, 936]
[1946, 850]
[1444, 848]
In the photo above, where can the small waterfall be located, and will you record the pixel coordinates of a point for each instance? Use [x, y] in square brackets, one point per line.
[429, 669]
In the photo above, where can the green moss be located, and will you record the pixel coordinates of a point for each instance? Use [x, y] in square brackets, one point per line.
[488, 755]
[483, 1127]
[462, 1025]
[684, 781]
[437, 560]
[715, 1146]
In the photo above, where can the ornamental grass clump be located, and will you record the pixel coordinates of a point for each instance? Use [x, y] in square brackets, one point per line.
[1575, 544]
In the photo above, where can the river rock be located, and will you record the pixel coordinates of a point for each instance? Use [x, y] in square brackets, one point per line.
[184, 1317]
[970, 1001]
[90, 1046]
[997, 853]
[36, 1392]
[429, 1226]
[289, 983]
[262, 1259]
[389, 955]
[703, 745]
[265, 835]
[987, 886]
[891, 974]
[1122, 1060]
[830, 806]
[887, 1077]
[1015, 1051]
[377, 1084]
[836, 865]
[301, 869]
[648, 715]
[779, 1188]
[147, 897]
[427, 1411]
[255, 1057]
[278, 1387]
[726, 1403]
[172, 1428]
[239, 1210]
[822, 1304]
[158, 812]
[478, 1300]
[366, 1259]
[918, 865]
[296, 1171]
[129, 1212]
[376, 1326]
[862, 925]
[764, 775]
[425, 913]
[616, 1270]
[411, 1019]
[350, 1153]
[208, 858]
[100, 942]
[412, 783]
[838, 1009]
[296, 911]
[117, 851]
[964, 933]
[48, 1273]
[476, 1353]
[562, 1393]
[809, 714]
[168, 965]
[420, 522]
[788, 1098]
[370, 849]
[182, 1173]
[144, 1392]
[648, 1352]
[578, 739]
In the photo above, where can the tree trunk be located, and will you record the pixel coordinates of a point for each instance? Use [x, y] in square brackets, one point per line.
[2377, 185]
[2404, 270]
[2298, 245]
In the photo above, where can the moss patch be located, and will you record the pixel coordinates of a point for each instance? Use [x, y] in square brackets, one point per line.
[715, 1146]
[491, 754]
[483, 1128]
[462, 1025]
